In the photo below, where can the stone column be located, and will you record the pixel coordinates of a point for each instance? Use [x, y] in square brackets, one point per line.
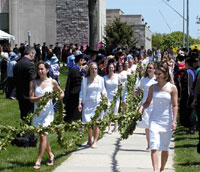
[13, 19]
[93, 22]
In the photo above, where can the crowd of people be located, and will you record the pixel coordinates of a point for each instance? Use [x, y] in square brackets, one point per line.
[27, 73]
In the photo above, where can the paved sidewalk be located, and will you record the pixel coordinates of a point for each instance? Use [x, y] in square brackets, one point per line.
[114, 155]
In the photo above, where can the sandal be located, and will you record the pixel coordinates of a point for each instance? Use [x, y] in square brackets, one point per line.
[94, 146]
[148, 149]
[89, 143]
[109, 132]
[36, 166]
[51, 162]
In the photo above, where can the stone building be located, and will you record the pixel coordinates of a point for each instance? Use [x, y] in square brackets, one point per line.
[142, 32]
[63, 21]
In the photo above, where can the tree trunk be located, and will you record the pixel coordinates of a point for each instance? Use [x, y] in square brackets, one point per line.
[93, 23]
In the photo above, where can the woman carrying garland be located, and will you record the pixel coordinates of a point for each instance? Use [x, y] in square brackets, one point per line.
[111, 83]
[38, 88]
[162, 121]
[145, 83]
[92, 87]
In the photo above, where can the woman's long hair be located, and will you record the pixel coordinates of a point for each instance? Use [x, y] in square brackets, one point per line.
[107, 67]
[162, 66]
[46, 65]
[89, 66]
[146, 73]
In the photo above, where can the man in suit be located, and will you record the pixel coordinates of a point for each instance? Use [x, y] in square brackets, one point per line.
[24, 72]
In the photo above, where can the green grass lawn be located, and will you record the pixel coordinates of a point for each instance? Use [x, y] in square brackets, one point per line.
[186, 157]
[16, 159]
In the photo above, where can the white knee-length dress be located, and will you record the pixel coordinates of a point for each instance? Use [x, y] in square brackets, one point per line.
[145, 84]
[90, 95]
[46, 115]
[160, 121]
[111, 86]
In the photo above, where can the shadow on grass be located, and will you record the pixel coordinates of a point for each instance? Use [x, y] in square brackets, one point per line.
[186, 146]
[19, 164]
[184, 138]
[16, 164]
[189, 164]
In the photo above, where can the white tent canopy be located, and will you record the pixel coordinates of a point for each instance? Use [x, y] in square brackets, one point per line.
[4, 35]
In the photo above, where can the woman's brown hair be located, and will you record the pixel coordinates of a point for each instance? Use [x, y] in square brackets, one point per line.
[163, 67]
[146, 73]
[107, 67]
[46, 65]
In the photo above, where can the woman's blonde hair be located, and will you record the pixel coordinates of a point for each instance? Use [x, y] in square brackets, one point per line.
[89, 67]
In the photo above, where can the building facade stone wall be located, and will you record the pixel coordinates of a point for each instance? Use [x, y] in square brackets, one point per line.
[72, 23]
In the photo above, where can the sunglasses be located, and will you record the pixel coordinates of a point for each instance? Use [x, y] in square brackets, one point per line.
[93, 68]
[149, 67]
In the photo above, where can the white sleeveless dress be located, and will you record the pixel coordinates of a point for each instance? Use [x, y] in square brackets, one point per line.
[47, 114]
[111, 89]
[91, 102]
[160, 121]
[145, 84]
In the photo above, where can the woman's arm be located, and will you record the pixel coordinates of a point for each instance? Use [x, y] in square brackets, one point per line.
[148, 100]
[103, 87]
[81, 96]
[174, 95]
[57, 88]
[32, 97]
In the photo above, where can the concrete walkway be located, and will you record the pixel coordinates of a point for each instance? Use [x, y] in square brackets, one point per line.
[114, 155]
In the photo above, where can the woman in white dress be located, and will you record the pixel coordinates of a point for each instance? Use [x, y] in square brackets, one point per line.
[144, 86]
[111, 83]
[38, 88]
[124, 73]
[89, 98]
[162, 121]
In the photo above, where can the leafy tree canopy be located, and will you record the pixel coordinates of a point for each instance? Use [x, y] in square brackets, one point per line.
[172, 40]
[118, 33]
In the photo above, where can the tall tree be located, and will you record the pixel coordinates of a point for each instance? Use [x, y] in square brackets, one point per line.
[93, 23]
[118, 33]
[156, 40]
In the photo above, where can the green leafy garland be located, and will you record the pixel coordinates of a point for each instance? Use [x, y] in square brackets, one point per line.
[127, 122]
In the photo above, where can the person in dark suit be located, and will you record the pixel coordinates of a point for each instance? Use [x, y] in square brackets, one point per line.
[72, 90]
[57, 51]
[44, 51]
[24, 72]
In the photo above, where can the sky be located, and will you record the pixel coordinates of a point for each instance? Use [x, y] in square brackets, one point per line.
[159, 16]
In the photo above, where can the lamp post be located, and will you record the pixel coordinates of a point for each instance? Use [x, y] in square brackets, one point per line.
[182, 16]
[183, 23]
[188, 25]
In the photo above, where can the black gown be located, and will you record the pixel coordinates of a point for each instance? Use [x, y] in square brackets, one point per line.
[187, 95]
[71, 98]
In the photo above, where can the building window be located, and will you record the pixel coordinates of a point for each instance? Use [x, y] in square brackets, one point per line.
[4, 22]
